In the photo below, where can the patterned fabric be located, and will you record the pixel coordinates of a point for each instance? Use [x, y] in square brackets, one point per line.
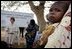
[35, 43]
[44, 35]
[61, 38]
[30, 35]
[32, 28]
[29, 39]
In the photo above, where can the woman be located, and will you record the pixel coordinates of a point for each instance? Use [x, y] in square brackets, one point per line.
[31, 33]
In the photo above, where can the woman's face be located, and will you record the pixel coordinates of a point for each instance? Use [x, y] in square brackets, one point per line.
[55, 14]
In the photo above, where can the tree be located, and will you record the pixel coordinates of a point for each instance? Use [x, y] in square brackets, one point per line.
[38, 10]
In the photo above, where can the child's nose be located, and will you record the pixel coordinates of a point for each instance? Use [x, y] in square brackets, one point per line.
[52, 12]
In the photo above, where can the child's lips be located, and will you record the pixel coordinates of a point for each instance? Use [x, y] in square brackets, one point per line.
[52, 18]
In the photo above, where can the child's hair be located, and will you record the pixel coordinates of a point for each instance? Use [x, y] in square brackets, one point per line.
[63, 4]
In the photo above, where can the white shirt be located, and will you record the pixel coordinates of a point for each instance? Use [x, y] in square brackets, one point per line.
[61, 38]
[11, 28]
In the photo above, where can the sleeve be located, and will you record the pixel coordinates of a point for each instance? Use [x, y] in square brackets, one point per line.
[66, 21]
[7, 28]
[57, 35]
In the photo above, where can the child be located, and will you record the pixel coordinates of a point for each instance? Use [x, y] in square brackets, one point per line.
[61, 38]
[54, 17]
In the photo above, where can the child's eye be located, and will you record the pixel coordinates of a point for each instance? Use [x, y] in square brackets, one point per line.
[57, 10]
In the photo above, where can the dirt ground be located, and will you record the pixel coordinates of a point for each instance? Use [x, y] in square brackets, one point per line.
[22, 42]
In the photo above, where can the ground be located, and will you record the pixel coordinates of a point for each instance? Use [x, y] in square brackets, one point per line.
[15, 45]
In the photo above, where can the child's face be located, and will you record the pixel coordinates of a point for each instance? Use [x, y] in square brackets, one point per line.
[55, 13]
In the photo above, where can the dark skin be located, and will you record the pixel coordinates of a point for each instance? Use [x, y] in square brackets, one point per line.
[56, 13]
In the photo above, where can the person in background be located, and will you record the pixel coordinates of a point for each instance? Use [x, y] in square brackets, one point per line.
[11, 29]
[31, 33]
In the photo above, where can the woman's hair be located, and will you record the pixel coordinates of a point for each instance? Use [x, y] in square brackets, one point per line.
[31, 25]
[32, 22]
